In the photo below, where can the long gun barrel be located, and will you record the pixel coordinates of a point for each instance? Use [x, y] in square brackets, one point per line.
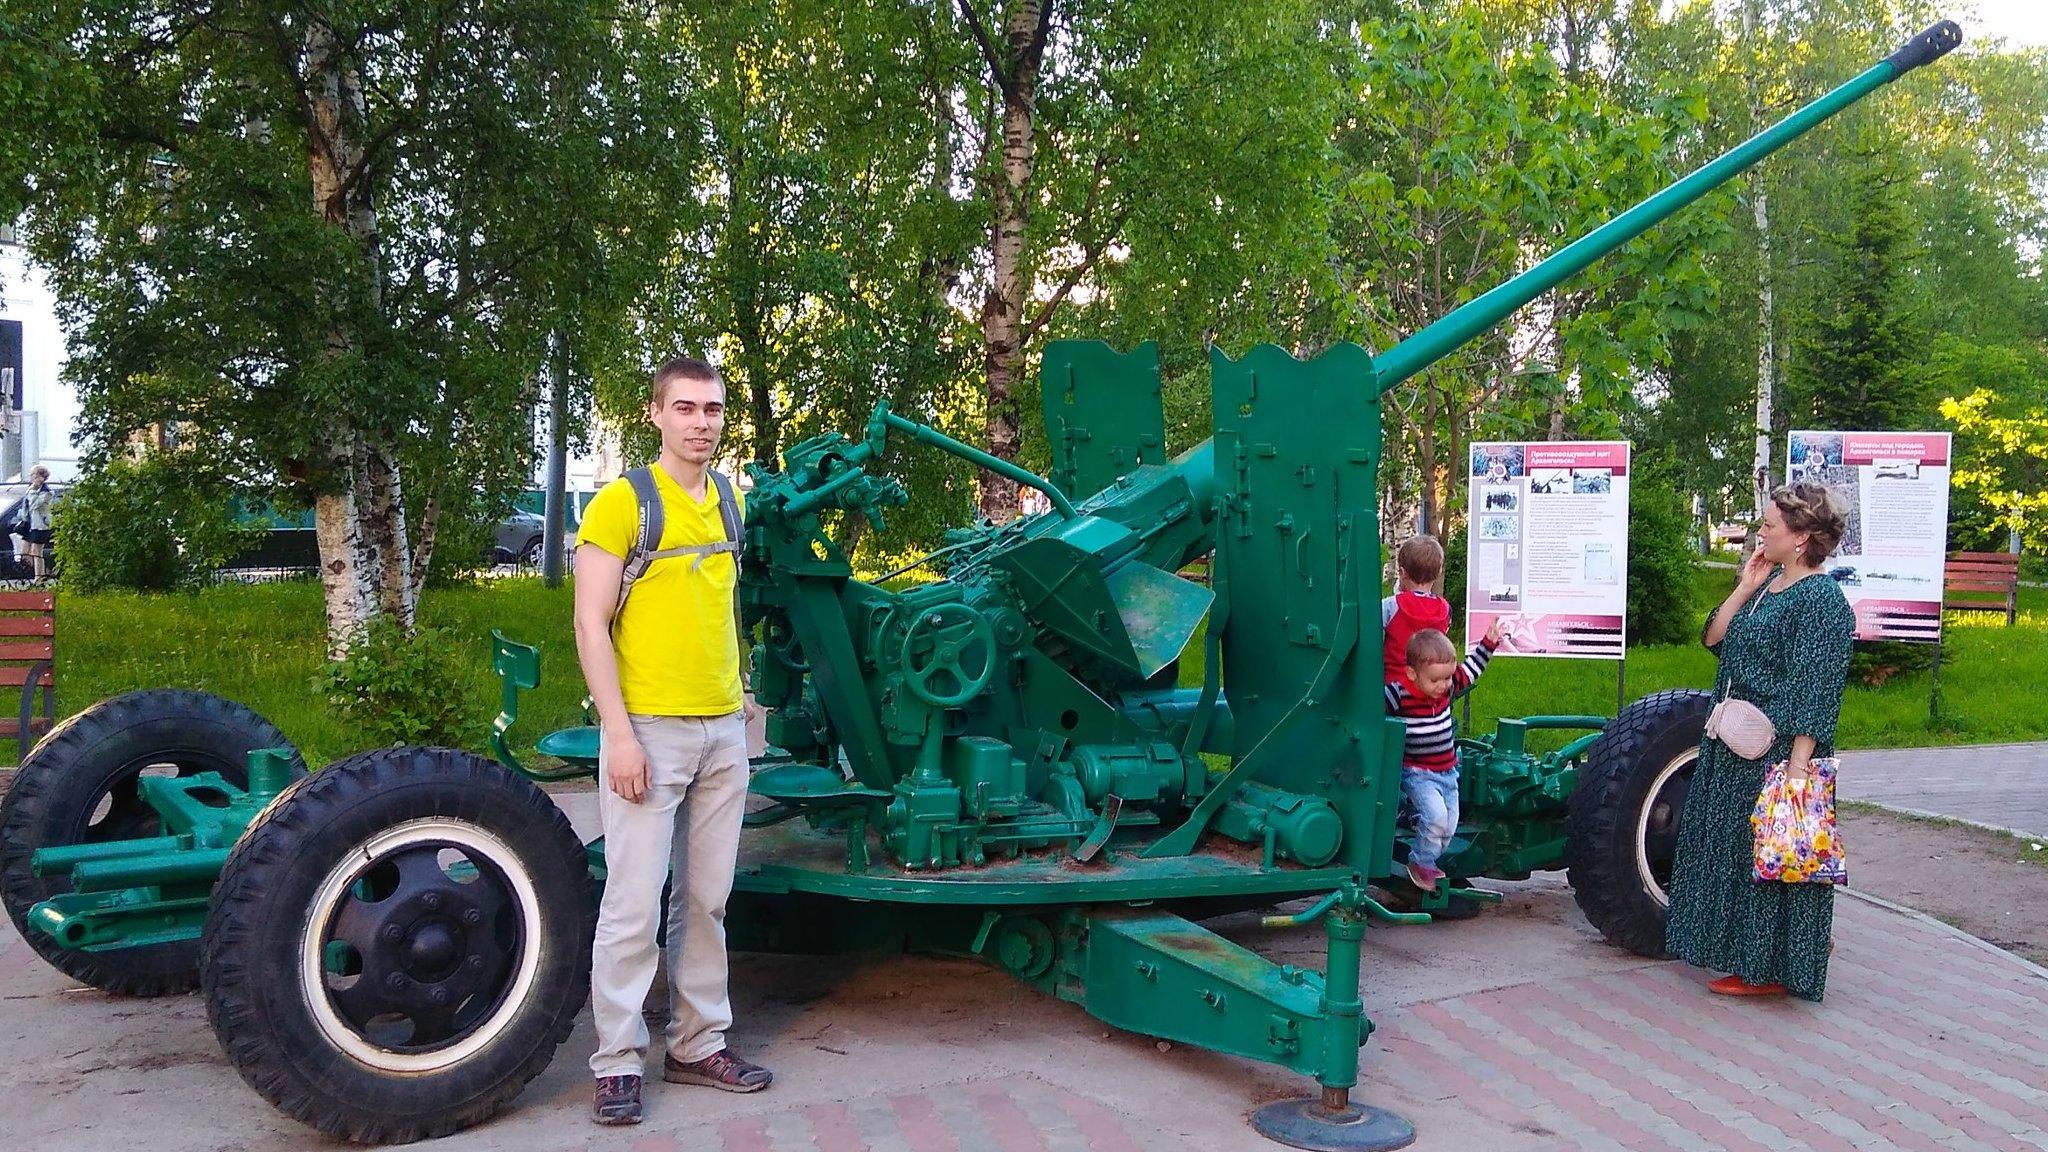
[1463, 323]
[1470, 319]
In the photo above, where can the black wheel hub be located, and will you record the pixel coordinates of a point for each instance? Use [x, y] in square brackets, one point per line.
[422, 947]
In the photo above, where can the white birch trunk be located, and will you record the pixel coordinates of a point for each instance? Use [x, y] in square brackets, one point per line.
[1766, 310]
[359, 519]
[1002, 312]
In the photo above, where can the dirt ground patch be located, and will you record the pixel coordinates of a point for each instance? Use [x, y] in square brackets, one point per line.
[1989, 884]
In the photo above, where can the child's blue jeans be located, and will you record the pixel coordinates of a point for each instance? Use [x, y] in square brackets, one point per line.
[1434, 796]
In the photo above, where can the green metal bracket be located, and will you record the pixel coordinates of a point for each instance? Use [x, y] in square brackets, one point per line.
[1156, 974]
[130, 893]
[1104, 413]
[518, 669]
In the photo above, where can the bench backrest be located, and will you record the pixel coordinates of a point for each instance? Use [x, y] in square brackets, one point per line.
[1982, 582]
[28, 659]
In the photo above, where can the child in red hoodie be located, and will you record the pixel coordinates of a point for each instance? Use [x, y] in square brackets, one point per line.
[1413, 607]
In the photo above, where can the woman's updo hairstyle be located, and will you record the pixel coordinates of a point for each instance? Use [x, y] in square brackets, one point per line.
[1815, 510]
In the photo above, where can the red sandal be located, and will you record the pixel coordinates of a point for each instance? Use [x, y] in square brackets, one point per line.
[1737, 986]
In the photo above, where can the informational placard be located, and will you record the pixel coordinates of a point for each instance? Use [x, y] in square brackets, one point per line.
[1894, 490]
[1548, 547]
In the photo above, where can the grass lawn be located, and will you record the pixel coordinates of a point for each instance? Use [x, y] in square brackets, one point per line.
[1994, 681]
[261, 644]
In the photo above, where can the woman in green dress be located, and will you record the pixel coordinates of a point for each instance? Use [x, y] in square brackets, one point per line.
[1783, 638]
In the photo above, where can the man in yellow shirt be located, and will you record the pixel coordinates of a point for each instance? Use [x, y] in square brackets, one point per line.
[660, 649]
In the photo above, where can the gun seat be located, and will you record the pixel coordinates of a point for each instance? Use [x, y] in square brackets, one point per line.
[518, 667]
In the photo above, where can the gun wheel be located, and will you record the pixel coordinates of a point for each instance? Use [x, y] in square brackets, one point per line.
[1621, 828]
[81, 784]
[400, 945]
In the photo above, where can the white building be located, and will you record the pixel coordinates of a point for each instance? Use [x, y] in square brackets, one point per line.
[39, 411]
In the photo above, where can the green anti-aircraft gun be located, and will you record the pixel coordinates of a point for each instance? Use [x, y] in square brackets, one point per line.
[998, 763]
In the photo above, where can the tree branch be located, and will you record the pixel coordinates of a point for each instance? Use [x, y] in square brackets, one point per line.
[988, 48]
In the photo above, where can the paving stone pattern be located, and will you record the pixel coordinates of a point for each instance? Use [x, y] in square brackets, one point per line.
[1927, 1042]
[1998, 785]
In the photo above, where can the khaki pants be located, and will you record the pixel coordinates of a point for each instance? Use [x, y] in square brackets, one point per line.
[689, 822]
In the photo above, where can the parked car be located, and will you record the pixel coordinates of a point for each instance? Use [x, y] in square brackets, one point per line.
[518, 539]
[289, 542]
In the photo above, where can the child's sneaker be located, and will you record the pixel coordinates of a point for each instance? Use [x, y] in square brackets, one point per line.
[1424, 877]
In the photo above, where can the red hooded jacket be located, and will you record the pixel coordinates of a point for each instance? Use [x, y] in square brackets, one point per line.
[1412, 612]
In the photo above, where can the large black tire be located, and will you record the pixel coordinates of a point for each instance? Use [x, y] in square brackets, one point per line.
[400, 944]
[1621, 830]
[81, 785]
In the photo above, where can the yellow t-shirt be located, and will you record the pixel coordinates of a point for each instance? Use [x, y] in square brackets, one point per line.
[677, 649]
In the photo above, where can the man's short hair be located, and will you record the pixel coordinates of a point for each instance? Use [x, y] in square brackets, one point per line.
[683, 368]
[1421, 559]
[1430, 646]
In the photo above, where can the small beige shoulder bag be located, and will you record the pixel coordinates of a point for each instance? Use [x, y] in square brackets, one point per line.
[1738, 724]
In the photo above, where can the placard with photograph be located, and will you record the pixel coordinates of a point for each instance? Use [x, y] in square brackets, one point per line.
[1547, 547]
[1894, 492]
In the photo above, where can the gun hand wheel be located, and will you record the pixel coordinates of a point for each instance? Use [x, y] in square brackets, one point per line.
[948, 655]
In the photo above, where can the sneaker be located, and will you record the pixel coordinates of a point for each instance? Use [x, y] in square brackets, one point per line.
[617, 1100]
[1424, 877]
[721, 1070]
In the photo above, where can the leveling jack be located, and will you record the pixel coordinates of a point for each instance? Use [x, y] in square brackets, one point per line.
[1330, 1122]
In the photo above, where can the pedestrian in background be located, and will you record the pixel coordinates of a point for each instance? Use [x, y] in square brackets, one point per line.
[37, 536]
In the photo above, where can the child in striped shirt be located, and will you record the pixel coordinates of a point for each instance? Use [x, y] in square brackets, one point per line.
[1421, 696]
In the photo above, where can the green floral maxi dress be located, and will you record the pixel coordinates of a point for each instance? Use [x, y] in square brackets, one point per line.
[1787, 652]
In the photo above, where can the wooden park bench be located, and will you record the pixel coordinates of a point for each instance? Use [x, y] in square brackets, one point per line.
[28, 659]
[1982, 582]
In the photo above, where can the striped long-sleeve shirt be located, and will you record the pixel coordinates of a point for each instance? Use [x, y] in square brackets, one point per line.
[1432, 739]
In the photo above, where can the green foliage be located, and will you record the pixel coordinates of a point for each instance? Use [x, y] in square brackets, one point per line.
[1662, 554]
[1456, 558]
[465, 532]
[161, 521]
[401, 687]
[1913, 217]
[1860, 363]
[505, 172]
[1472, 147]
[1996, 398]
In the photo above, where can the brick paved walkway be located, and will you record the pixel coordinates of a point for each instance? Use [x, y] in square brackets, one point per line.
[1999, 785]
[1928, 1041]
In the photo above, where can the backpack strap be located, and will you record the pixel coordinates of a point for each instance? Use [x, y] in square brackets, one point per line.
[646, 547]
[729, 511]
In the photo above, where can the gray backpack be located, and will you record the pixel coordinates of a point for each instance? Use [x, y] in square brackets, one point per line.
[646, 547]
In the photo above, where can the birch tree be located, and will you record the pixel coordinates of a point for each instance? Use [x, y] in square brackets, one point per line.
[1466, 159]
[336, 236]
